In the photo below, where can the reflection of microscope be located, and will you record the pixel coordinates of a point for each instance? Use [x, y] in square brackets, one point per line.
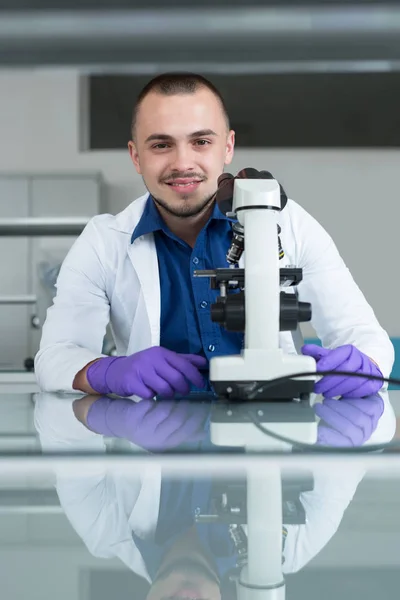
[260, 310]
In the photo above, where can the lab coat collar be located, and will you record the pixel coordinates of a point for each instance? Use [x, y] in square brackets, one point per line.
[126, 221]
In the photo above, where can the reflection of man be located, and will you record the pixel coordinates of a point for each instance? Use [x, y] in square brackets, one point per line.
[182, 559]
[147, 520]
[186, 572]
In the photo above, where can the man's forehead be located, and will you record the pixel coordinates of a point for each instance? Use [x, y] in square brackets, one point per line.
[204, 111]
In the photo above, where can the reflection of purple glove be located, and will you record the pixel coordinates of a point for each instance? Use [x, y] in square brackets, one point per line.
[344, 358]
[147, 423]
[152, 372]
[350, 422]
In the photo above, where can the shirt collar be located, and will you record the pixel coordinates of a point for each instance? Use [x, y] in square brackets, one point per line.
[217, 214]
[151, 220]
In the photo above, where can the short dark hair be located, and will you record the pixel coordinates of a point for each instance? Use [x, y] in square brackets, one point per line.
[169, 84]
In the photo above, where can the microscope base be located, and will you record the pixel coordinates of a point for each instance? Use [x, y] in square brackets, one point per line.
[250, 391]
[231, 425]
[250, 375]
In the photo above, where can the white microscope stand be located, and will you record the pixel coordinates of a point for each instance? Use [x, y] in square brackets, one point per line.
[261, 360]
[256, 203]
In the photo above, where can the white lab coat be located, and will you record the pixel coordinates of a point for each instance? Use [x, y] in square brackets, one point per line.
[105, 277]
[105, 506]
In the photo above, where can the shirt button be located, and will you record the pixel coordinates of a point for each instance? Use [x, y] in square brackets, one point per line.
[211, 347]
[195, 260]
[203, 304]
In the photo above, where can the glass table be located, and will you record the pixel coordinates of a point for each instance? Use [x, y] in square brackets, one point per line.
[87, 516]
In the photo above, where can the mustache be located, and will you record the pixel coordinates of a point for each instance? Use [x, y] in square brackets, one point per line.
[174, 176]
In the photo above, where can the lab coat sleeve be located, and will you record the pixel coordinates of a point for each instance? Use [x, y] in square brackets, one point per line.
[98, 503]
[340, 313]
[324, 506]
[76, 323]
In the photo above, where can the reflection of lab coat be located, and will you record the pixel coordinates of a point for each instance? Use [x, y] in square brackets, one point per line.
[105, 276]
[105, 508]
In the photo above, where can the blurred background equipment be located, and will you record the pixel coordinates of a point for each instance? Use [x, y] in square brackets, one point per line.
[40, 217]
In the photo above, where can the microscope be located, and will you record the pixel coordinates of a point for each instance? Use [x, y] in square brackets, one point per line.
[260, 309]
[252, 300]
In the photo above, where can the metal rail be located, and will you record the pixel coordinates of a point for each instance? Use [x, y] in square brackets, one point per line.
[37, 227]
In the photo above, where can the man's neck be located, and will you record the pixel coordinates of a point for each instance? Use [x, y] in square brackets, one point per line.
[187, 228]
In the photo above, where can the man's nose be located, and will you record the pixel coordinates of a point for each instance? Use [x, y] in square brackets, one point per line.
[182, 160]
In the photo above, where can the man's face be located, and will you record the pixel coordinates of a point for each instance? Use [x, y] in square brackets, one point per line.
[185, 582]
[181, 146]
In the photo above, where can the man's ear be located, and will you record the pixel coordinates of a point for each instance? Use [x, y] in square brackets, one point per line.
[134, 154]
[230, 146]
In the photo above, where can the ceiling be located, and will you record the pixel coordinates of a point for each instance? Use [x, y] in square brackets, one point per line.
[144, 36]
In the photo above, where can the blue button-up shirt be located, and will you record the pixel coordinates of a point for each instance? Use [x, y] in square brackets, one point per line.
[186, 325]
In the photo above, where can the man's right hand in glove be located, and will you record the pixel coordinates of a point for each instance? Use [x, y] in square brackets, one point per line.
[152, 372]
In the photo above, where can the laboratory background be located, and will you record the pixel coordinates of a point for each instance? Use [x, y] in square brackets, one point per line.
[313, 91]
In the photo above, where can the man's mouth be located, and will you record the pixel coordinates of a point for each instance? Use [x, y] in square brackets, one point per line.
[184, 184]
[183, 181]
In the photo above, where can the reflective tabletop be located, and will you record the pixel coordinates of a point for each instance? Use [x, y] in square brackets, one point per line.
[164, 512]
[41, 424]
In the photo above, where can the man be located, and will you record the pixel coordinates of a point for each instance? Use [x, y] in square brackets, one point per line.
[136, 269]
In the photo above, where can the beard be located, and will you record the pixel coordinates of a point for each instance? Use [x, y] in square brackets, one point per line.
[188, 566]
[186, 207]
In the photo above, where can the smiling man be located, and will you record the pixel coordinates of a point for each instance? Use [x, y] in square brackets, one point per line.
[135, 269]
[181, 161]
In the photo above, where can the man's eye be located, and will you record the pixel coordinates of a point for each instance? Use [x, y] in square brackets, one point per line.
[202, 142]
[160, 146]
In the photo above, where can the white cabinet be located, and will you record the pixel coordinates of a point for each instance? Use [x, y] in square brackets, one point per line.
[27, 264]
[14, 275]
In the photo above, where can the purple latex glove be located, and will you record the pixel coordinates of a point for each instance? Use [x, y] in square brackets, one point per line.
[348, 422]
[344, 358]
[154, 426]
[149, 373]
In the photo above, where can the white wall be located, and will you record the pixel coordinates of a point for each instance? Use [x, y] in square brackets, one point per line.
[354, 193]
[47, 572]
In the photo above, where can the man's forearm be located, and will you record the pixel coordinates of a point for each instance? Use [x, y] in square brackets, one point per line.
[81, 383]
[81, 407]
